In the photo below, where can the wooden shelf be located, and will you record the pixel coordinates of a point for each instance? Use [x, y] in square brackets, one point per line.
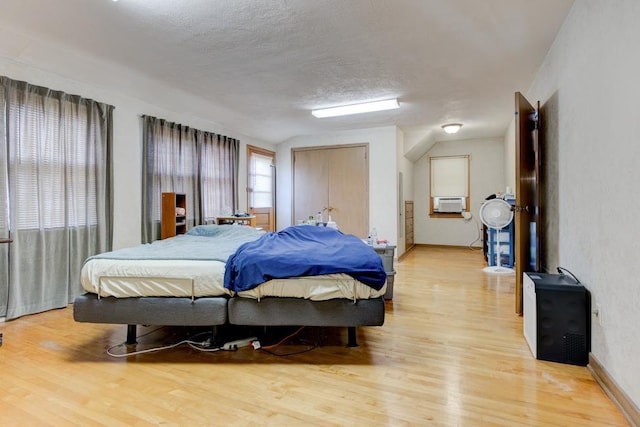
[172, 223]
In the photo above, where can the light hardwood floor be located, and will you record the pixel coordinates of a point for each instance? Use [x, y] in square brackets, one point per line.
[451, 353]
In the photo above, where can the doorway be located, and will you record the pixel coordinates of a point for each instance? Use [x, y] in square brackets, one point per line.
[261, 190]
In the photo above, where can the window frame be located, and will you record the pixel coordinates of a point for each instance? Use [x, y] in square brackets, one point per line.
[251, 150]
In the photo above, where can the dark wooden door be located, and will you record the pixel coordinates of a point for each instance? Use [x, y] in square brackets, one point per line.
[528, 225]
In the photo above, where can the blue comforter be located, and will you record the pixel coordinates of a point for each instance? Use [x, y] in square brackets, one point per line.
[303, 251]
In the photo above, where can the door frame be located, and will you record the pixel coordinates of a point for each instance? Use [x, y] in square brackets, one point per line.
[528, 209]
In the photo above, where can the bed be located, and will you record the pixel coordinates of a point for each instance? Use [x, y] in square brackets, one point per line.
[216, 274]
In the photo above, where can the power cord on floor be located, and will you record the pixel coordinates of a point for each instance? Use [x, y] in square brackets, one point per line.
[198, 345]
[204, 346]
[268, 349]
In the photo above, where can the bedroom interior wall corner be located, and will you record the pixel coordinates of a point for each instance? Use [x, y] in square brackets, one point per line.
[597, 168]
[404, 167]
[510, 155]
[486, 175]
[550, 183]
[382, 178]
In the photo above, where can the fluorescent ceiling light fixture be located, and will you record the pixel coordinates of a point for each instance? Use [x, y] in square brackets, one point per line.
[366, 107]
[452, 127]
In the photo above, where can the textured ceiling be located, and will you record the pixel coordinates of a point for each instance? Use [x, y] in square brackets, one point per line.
[267, 63]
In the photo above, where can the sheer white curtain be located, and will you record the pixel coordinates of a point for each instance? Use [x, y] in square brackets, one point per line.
[56, 193]
[201, 165]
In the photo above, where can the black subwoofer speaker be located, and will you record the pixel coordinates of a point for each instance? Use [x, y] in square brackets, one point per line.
[563, 331]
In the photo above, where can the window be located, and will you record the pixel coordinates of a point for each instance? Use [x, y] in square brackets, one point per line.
[175, 163]
[52, 161]
[55, 193]
[202, 165]
[261, 186]
[218, 174]
[260, 180]
[448, 186]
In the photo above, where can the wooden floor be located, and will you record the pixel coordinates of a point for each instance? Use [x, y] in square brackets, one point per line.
[451, 353]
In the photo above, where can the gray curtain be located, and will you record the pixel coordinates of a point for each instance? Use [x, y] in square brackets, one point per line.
[219, 157]
[176, 158]
[56, 194]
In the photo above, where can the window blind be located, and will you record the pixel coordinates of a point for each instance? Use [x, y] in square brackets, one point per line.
[51, 159]
[449, 176]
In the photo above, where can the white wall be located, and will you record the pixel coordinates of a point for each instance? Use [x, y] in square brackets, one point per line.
[42, 63]
[405, 166]
[589, 83]
[486, 177]
[383, 193]
[510, 156]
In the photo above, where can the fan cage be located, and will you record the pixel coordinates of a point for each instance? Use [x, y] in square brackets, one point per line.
[496, 213]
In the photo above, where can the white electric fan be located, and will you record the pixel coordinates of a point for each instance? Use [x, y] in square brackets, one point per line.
[496, 214]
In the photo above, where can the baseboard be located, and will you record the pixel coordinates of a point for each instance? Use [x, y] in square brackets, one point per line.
[429, 245]
[405, 253]
[615, 393]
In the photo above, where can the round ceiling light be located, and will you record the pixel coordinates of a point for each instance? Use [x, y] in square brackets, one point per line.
[452, 127]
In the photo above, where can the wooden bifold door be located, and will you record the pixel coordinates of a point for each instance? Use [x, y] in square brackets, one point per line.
[333, 180]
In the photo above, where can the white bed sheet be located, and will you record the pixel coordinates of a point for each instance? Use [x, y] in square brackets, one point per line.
[197, 278]
[158, 278]
[316, 288]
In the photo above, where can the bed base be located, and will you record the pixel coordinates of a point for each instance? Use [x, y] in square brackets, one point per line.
[160, 311]
[213, 311]
[303, 312]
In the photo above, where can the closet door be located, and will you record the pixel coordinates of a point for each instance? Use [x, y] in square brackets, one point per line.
[349, 189]
[310, 183]
[334, 180]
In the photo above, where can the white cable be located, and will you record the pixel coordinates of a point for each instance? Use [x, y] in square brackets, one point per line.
[210, 350]
[477, 238]
[197, 345]
[151, 350]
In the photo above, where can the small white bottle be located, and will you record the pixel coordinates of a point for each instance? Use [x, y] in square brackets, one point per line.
[319, 219]
[373, 236]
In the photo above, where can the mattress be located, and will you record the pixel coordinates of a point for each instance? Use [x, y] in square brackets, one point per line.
[188, 265]
[193, 265]
[153, 278]
[196, 278]
[315, 288]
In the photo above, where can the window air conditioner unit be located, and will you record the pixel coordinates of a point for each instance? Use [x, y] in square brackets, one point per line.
[450, 204]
